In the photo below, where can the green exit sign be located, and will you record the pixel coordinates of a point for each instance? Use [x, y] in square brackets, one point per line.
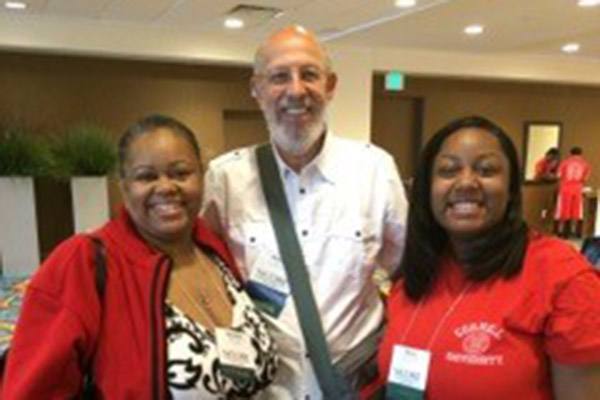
[394, 80]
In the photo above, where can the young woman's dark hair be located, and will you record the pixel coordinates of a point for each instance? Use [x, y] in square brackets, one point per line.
[499, 251]
[149, 124]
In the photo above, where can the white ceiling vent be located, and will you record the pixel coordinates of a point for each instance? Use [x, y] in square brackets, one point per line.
[253, 15]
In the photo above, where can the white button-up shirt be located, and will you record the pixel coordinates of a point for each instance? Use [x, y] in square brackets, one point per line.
[349, 210]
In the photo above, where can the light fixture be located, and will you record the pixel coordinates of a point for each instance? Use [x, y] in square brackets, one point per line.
[250, 16]
[570, 48]
[405, 3]
[588, 3]
[15, 5]
[233, 23]
[474, 29]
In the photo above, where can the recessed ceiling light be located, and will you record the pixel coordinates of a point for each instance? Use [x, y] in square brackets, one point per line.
[15, 5]
[474, 29]
[588, 3]
[570, 48]
[405, 3]
[233, 23]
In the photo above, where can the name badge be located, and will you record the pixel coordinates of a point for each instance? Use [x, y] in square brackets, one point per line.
[269, 288]
[236, 354]
[408, 373]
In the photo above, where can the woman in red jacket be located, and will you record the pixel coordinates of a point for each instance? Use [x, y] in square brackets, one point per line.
[174, 322]
[483, 307]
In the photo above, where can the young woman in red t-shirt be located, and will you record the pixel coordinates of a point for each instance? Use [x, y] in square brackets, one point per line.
[483, 307]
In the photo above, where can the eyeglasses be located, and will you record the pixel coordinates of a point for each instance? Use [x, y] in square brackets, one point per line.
[283, 76]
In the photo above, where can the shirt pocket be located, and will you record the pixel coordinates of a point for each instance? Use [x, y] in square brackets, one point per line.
[257, 242]
[348, 248]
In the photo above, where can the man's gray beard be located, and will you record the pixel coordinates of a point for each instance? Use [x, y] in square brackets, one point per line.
[299, 144]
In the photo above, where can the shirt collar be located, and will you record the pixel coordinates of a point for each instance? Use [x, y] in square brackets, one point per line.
[323, 164]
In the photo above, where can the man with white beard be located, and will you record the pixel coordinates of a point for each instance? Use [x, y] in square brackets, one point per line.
[345, 197]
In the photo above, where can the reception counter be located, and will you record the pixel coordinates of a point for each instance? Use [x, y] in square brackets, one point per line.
[539, 200]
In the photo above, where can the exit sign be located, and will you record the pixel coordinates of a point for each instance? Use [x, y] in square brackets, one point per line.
[394, 81]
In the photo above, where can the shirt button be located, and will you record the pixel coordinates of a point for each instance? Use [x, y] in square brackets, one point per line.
[302, 191]
[358, 234]
[252, 239]
[304, 232]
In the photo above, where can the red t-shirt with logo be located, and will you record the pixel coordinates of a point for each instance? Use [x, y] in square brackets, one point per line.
[497, 341]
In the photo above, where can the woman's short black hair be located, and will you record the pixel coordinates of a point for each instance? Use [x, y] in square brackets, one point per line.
[149, 124]
[499, 251]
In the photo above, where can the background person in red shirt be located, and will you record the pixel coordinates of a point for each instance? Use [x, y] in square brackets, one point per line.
[546, 167]
[573, 172]
[482, 306]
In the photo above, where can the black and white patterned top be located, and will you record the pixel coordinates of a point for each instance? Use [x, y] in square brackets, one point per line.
[193, 366]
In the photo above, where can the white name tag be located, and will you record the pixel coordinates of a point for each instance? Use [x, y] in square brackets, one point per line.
[271, 275]
[235, 348]
[409, 367]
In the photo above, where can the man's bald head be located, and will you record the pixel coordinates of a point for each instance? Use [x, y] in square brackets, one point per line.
[290, 36]
[293, 83]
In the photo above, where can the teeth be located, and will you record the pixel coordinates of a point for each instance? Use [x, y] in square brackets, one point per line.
[465, 207]
[296, 111]
[167, 207]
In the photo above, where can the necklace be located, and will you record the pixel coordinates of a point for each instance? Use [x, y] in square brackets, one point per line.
[442, 320]
[218, 284]
[206, 300]
[206, 310]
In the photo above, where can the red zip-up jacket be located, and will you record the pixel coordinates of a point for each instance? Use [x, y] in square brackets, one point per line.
[62, 325]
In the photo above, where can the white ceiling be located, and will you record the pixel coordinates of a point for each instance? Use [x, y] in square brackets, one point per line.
[518, 30]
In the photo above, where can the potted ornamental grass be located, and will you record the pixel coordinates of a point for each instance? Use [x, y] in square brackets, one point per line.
[22, 158]
[21, 153]
[85, 154]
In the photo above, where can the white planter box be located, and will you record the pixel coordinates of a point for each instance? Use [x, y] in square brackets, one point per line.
[90, 202]
[19, 244]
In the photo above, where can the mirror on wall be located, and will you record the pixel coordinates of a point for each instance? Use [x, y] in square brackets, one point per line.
[540, 155]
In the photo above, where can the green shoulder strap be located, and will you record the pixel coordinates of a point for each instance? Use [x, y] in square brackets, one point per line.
[331, 383]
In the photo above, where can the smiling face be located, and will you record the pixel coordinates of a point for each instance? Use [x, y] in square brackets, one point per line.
[293, 84]
[161, 185]
[469, 183]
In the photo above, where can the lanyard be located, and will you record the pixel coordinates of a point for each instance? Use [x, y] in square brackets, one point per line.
[442, 320]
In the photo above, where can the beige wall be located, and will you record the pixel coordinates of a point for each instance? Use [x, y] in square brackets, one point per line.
[349, 114]
[50, 92]
[243, 128]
